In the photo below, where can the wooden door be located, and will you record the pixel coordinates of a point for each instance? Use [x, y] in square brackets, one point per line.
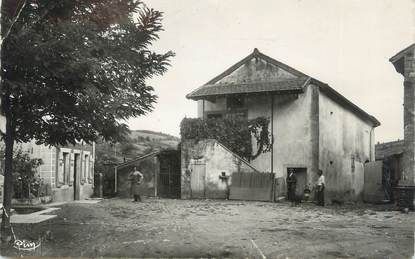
[198, 180]
[373, 189]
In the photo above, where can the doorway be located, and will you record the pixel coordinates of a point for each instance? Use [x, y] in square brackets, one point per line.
[76, 176]
[169, 179]
[301, 177]
[197, 179]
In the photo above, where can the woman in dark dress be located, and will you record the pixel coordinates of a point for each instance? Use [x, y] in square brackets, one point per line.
[291, 185]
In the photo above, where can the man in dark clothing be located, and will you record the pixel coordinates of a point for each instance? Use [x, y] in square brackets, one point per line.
[224, 178]
[135, 179]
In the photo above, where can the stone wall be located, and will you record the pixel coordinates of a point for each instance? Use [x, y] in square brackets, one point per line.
[409, 120]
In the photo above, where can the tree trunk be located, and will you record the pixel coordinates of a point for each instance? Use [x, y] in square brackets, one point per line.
[6, 233]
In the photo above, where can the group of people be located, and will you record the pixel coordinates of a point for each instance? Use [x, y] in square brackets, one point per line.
[136, 178]
[295, 197]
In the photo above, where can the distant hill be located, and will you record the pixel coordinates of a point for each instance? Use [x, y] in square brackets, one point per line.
[139, 143]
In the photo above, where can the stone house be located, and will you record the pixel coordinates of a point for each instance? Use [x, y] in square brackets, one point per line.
[313, 126]
[68, 169]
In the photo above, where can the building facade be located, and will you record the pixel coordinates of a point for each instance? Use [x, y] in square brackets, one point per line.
[69, 170]
[313, 126]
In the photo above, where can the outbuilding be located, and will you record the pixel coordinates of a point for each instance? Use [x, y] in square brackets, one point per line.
[161, 171]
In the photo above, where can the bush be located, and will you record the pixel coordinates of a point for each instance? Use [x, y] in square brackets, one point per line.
[233, 132]
[26, 181]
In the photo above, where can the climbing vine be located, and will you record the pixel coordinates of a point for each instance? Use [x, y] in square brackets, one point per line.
[259, 129]
[234, 132]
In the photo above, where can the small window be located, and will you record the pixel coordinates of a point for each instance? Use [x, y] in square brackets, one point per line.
[235, 102]
[214, 116]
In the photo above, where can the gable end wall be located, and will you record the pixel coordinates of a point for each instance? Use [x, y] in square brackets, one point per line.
[345, 143]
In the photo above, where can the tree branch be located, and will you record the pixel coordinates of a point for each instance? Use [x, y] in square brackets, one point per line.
[13, 22]
[26, 29]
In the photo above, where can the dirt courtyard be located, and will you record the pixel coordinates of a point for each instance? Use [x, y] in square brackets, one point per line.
[212, 228]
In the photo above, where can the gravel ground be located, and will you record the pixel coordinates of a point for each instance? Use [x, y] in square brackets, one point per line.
[212, 228]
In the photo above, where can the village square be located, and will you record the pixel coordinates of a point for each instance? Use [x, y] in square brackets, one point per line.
[119, 140]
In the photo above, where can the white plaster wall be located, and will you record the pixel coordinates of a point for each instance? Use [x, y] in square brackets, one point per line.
[292, 132]
[291, 122]
[343, 135]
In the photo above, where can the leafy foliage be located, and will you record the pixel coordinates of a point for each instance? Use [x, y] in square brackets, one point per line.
[26, 181]
[75, 69]
[233, 132]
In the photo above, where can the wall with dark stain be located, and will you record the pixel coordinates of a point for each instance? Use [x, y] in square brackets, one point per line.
[260, 106]
[256, 70]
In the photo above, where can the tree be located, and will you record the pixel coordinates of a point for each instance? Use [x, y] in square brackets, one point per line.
[75, 70]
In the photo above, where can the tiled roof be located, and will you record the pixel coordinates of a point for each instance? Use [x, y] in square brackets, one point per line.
[290, 85]
[388, 149]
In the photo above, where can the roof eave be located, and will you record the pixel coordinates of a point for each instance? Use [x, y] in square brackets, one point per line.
[401, 53]
[278, 92]
[398, 59]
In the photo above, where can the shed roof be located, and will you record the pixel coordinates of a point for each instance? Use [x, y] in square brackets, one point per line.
[136, 159]
[155, 153]
[387, 149]
[295, 83]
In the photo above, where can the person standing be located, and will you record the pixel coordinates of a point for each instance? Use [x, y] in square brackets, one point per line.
[225, 178]
[321, 183]
[291, 185]
[135, 178]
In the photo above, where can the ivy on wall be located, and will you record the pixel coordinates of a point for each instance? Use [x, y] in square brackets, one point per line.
[234, 132]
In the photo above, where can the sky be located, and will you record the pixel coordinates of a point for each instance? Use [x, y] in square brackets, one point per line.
[345, 43]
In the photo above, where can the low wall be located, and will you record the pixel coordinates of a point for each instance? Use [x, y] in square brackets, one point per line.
[86, 191]
[203, 163]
